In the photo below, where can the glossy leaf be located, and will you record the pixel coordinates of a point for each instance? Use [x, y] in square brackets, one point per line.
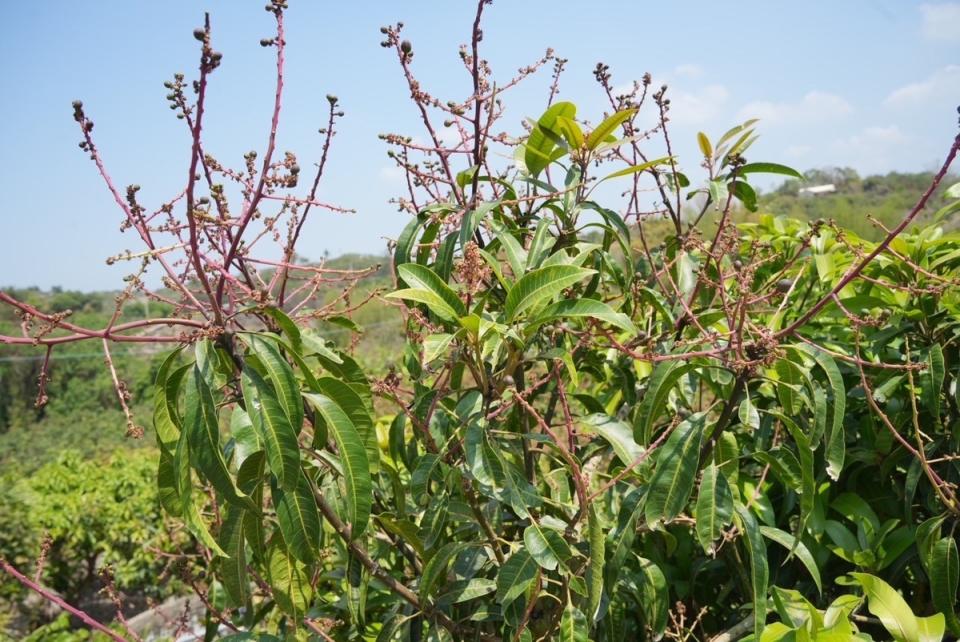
[353, 457]
[676, 471]
[540, 286]
[274, 428]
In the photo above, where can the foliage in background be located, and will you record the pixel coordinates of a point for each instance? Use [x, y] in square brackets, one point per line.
[609, 419]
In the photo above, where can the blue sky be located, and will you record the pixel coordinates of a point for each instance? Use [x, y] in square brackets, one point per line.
[872, 84]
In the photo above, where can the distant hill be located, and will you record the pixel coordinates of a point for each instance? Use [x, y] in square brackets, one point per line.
[886, 197]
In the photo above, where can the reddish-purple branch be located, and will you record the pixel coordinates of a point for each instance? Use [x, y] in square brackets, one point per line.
[56, 599]
[894, 233]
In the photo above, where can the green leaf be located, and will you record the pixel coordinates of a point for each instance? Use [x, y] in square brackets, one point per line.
[471, 220]
[166, 417]
[745, 194]
[636, 169]
[286, 325]
[539, 286]
[184, 488]
[570, 130]
[944, 572]
[547, 546]
[516, 575]
[202, 427]
[281, 376]
[573, 625]
[654, 597]
[836, 439]
[426, 287]
[273, 426]
[890, 608]
[769, 168]
[291, 586]
[539, 148]
[797, 548]
[353, 405]
[664, 376]
[607, 127]
[582, 308]
[466, 590]
[595, 565]
[167, 484]
[714, 507]
[618, 434]
[516, 255]
[436, 568]
[299, 520]
[353, 458]
[233, 567]
[676, 471]
[759, 571]
[933, 381]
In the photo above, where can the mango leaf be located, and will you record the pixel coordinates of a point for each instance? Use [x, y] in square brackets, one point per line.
[540, 146]
[291, 586]
[582, 308]
[426, 287]
[676, 471]
[891, 609]
[573, 625]
[944, 572]
[654, 597]
[617, 434]
[353, 459]
[547, 546]
[636, 169]
[273, 426]
[797, 548]
[705, 147]
[436, 568]
[466, 590]
[516, 254]
[299, 520]
[516, 575]
[233, 567]
[836, 439]
[471, 220]
[595, 565]
[607, 127]
[183, 483]
[541, 285]
[665, 375]
[202, 428]
[933, 382]
[769, 168]
[280, 374]
[570, 131]
[353, 405]
[759, 571]
[286, 325]
[714, 507]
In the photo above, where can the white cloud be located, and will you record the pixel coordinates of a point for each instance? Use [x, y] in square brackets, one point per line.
[797, 151]
[875, 137]
[873, 149]
[942, 83]
[814, 106]
[941, 21]
[688, 70]
[698, 106]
